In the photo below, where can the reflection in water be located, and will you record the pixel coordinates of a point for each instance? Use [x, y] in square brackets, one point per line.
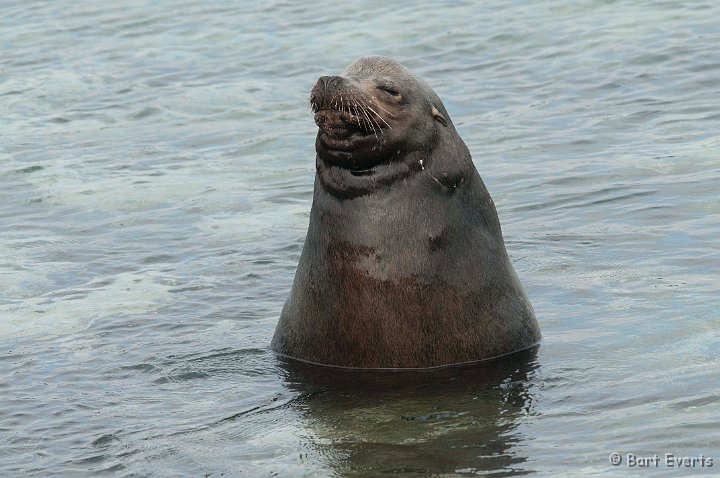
[460, 419]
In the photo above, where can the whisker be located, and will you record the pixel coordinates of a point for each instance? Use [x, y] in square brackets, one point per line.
[364, 112]
[386, 111]
[361, 120]
[378, 115]
[372, 117]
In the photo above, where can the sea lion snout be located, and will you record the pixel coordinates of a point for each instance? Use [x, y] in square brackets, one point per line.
[327, 91]
[326, 82]
[337, 123]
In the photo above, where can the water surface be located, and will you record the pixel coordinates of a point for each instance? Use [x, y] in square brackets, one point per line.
[156, 171]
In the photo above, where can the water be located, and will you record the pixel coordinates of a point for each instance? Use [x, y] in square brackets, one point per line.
[156, 169]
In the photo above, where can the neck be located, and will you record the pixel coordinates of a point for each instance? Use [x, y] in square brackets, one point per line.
[344, 183]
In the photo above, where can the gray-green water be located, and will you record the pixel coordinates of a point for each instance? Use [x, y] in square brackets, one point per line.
[156, 170]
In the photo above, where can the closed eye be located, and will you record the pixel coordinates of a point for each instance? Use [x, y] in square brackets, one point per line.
[389, 89]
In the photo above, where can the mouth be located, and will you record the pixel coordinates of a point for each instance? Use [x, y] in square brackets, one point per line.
[350, 135]
[342, 130]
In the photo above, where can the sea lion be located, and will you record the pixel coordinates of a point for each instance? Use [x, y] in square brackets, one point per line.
[404, 264]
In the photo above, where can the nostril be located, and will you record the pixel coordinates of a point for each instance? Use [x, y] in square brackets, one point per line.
[335, 81]
[329, 81]
[324, 81]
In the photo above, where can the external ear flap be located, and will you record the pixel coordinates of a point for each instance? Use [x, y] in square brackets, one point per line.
[439, 116]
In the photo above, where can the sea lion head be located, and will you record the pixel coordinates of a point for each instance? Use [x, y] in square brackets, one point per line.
[374, 114]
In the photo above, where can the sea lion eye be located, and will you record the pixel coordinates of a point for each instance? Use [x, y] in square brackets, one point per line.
[389, 89]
